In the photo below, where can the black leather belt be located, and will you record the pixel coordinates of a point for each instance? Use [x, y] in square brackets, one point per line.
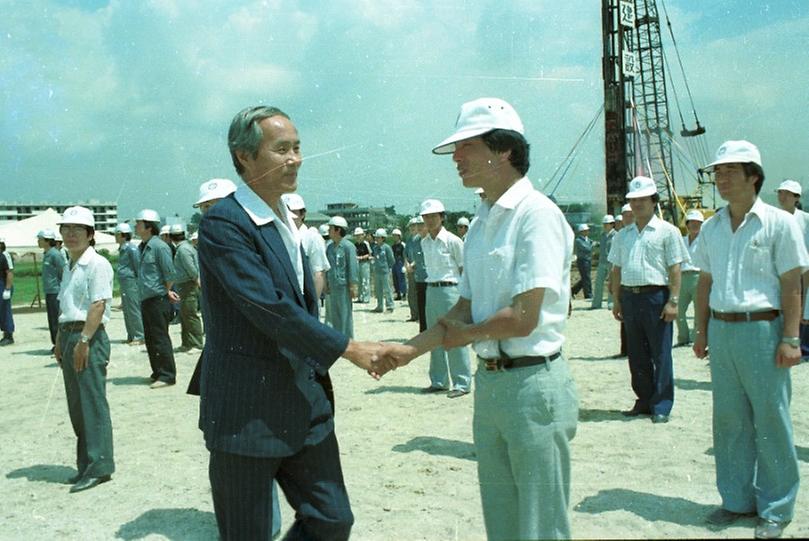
[644, 289]
[737, 317]
[75, 326]
[690, 272]
[517, 362]
[441, 284]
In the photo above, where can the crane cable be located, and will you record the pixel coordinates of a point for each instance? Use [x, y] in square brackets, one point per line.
[569, 159]
[680, 62]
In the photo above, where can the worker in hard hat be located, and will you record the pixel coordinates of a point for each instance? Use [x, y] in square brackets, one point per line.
[409, 268]
[462, 226]
[83, 348]
[399, 280]
[342, 277]
[211, 191]
[313, 240]
[583, 248]
[186, 282]
[128, 265]
[604, 267]
[382, 265]
[689, 276]
[363, 248]
[155, 279]
[53, 265]
[7, 289]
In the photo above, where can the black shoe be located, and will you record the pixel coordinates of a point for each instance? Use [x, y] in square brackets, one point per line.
[723, 517]
[73, 480]
[770, 529]
[660, 418]
[455, 393]
[431, 389]
[89, 482]
[7, 340]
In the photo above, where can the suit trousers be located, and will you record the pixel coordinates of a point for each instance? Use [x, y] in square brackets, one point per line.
[157, 314]
[130, 299]
[87, 403]
[459, 375]
[190, 322]
[340, 315]
[312, 481]
[754, 447]
[421, 298]
[603, 272]
[688, 290]
[52, 307]
[523, 423]
[649, 348]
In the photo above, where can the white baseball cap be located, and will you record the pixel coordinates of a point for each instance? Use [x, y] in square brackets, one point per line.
[359, 231]
[478, 117]
[463, 220]
[47, 233]
[57, 237]
[396, 231]
[790, 186]
[195, 235]
[695, 215]
[641, 187]
[216, 188]
[418, 220]
[431, 206]
[619, 218]
[148, 215]
[323, 229]
[583, 227]
[176, 229]
[293, 201]
[380, 233]
[165, 230]
[625, 208]
[123, 228]
[608, 219]
[339, 221]
[78, 215]
[736, 152]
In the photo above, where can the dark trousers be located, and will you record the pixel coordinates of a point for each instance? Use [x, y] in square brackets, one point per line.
[156, 313]
[585, 281]
[6, 317]
[421, 297]
[804, 340]
[649, 347]
[87, 403]
[311, 479]
[52, 306]
[399, 281]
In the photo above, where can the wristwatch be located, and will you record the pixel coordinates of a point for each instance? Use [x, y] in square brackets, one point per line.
[673, 301]
[793, 341]
[84, 339]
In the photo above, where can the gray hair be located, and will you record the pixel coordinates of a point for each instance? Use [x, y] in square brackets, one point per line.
[245, 134]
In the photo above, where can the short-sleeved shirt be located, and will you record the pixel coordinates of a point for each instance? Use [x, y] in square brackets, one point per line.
[363, 249]
[383, 258]
[746, 265]
[185, 263]
[645, 256]
[802, 218]
[343, 266]
[88, 281]
[519, 243]
[9, 260]
[315, 249]
[443, 256]
[53, 265]
[399, 251]
[128, 261]
[688, 266]
[156, 268]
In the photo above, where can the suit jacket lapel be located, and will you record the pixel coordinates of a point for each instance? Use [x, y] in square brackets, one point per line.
[273, 239]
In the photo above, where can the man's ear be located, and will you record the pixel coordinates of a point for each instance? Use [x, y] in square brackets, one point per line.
[243, 157]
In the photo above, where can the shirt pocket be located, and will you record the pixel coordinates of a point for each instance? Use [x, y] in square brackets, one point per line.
[500, 263]
[758, 257]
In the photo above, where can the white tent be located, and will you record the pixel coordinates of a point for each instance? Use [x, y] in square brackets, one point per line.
[21, 237]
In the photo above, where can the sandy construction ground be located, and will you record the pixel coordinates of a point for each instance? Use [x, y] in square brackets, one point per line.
[408, 458]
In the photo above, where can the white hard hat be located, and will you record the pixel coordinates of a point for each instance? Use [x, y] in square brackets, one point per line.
[641, 187]
[431, 206]
[123, 228]
[293, 201]
[165, 230]
[608, 219]
[396, 231]
[418, 220]
[463, 220]
[216, 188]
[176, 229]
[339, 221]
[695, 215]
[148, 215]
[790, 186]
[479, 191]
[78, 215]
[478, 117]
[583, 227]
[358, 231]
[626, 208]
[195, 235]
[57, 237]
[736, 152]
[380, 233]
[323, 229]
[619, 218]
[46, 234]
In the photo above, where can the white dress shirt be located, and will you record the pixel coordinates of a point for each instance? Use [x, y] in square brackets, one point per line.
[315, 249]
[746, 265]
[88, 281]
[519, 243]
[443, 257]
[645, 256]
[692, 248]
[261, 213]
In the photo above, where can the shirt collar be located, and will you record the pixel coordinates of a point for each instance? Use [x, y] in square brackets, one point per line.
[758, 208]
[516, 193]
[654, 223]
[255, 207]
[86, 256]
[442, 234]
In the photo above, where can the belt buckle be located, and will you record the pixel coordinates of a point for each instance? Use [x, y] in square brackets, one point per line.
[494, 365]
[635, 290]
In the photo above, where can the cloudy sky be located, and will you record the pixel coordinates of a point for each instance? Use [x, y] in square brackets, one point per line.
[130, 101]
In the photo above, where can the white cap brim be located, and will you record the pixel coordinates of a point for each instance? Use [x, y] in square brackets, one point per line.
[447, 146]
[646, 192]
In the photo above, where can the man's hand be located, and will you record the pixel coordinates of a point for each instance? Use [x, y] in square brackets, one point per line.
[787, 356]
[700, 346]
[669, 312]
[364, 355]
[456, 333]
[392, 356]
[80, 352]
[57, 352]
[617, 313]
[174, 298]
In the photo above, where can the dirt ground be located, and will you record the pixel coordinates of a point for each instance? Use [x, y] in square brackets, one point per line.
[408, 458]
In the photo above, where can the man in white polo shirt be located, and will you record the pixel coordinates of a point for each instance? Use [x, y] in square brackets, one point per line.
[513, 304]
[646, 258]
[751, 257]
[443, 258]
[313, 244]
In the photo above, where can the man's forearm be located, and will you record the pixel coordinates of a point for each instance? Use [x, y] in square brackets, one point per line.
[94, 315]
[701, 305]
[9, 278]
[615, 283]
[791, 302]
[674, 281]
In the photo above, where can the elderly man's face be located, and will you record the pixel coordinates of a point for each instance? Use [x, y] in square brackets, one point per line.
[275, 167]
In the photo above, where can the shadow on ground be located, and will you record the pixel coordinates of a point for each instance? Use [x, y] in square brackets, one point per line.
[49, 473]
[172, 524]
[130, 380]
[612, 357]
[397, 389]
[650, 507]
[438, 446]
[692, 385]
[35, 352]
[599, 416]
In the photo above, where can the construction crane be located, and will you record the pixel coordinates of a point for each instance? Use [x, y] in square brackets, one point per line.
[638, 139]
